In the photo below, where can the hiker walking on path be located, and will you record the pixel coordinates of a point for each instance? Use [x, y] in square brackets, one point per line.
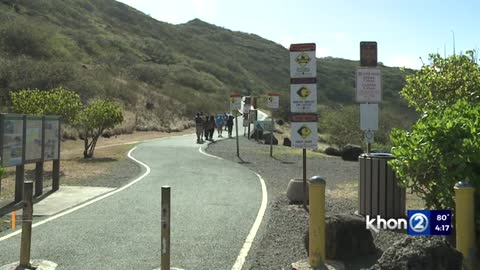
[225, 119]
[205, 127]
[230, 125]
[220, 123]
[211, 125]
[199, 127]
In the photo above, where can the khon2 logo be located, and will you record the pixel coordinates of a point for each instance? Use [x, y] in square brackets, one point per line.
[418, 222]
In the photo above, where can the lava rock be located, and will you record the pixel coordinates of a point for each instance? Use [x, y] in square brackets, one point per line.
[332, 151]
[346, 238]
[351, 152]
[269, 138]
[287, 142]
[420, 253]
[255, 132]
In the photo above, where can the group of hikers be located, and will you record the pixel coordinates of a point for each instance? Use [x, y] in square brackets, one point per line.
[206, 124]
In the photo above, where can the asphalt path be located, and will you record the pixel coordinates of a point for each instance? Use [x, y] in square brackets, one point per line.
[214, 205]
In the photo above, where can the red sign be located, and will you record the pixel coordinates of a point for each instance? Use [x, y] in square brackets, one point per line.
[304, 118]
[302, 47]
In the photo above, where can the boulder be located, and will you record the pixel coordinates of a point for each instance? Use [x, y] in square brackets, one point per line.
[420, 253]
[287, 142]
[351, 152]
[269, 138]
[332, 151]
[295, 192]
[346, 238]
[254, 134]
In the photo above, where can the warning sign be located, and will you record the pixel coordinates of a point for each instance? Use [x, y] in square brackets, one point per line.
[369, 85]
[273, 101]
[235, 102]
[303, 98]
[303, 63]
[304, 135]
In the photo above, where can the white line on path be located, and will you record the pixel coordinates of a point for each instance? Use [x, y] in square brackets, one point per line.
[208, 155]
[89, 202]
[256, 225]
[253, 231]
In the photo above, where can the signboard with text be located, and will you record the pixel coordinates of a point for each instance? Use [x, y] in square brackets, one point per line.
[273, 101]
[11, 139]
[368, 54]
[304, 131]
[369, 85]
[52, 138]
[303, 62]
[33, 138]
[303, 98]
[235, 102]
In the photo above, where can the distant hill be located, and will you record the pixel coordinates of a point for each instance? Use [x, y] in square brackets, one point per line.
[160, 71]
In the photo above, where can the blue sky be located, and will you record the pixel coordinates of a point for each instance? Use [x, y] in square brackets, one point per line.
[404, 29]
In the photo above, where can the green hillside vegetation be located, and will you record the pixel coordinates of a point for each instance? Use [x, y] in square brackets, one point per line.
[160, 72]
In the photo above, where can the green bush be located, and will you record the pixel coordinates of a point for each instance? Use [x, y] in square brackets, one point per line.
[58, 101]
[442, 148]
[20, 38]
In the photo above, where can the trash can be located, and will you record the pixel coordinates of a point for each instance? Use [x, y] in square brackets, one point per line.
[379, 193]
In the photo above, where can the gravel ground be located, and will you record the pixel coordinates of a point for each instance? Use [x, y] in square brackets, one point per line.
[280, 241]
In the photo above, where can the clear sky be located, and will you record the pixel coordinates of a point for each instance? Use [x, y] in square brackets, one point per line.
[404, 29]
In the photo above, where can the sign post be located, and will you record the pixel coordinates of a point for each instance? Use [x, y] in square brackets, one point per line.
[368, 90]
[303, 102]
[273, 102]
[235, 106]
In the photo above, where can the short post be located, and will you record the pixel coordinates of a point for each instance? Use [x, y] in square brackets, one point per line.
[26, 241]
[165, 259]
[465, 222]
[305, 179]
[316, 240]
[19, 179]
[39, 178]
[236, 133]
[271, 138]
[56, 175]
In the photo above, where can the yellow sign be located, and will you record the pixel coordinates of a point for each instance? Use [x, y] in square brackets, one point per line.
[304, 92]
[302, 59]
[304, 132]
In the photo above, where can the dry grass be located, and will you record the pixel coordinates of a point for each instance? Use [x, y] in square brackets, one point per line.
[75, 170]
[349, 191]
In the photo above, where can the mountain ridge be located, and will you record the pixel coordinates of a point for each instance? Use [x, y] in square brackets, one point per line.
[105, 48]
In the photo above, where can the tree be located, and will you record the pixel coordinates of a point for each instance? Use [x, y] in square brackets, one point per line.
[94, 120]
[59, 101]
[440, 84]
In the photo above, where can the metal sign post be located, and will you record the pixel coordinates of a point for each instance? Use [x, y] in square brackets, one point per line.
[273, 102]
[303, 100]
[235, 106]
[368, 90]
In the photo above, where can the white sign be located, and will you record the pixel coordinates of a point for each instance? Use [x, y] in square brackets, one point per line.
[235, 102]
[369, 135]
[369, 116]
[304, 135]
[303, 63]
[273, 101]
[369, 85]
[303, 98]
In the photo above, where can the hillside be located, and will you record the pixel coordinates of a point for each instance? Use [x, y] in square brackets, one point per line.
[159, 71]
